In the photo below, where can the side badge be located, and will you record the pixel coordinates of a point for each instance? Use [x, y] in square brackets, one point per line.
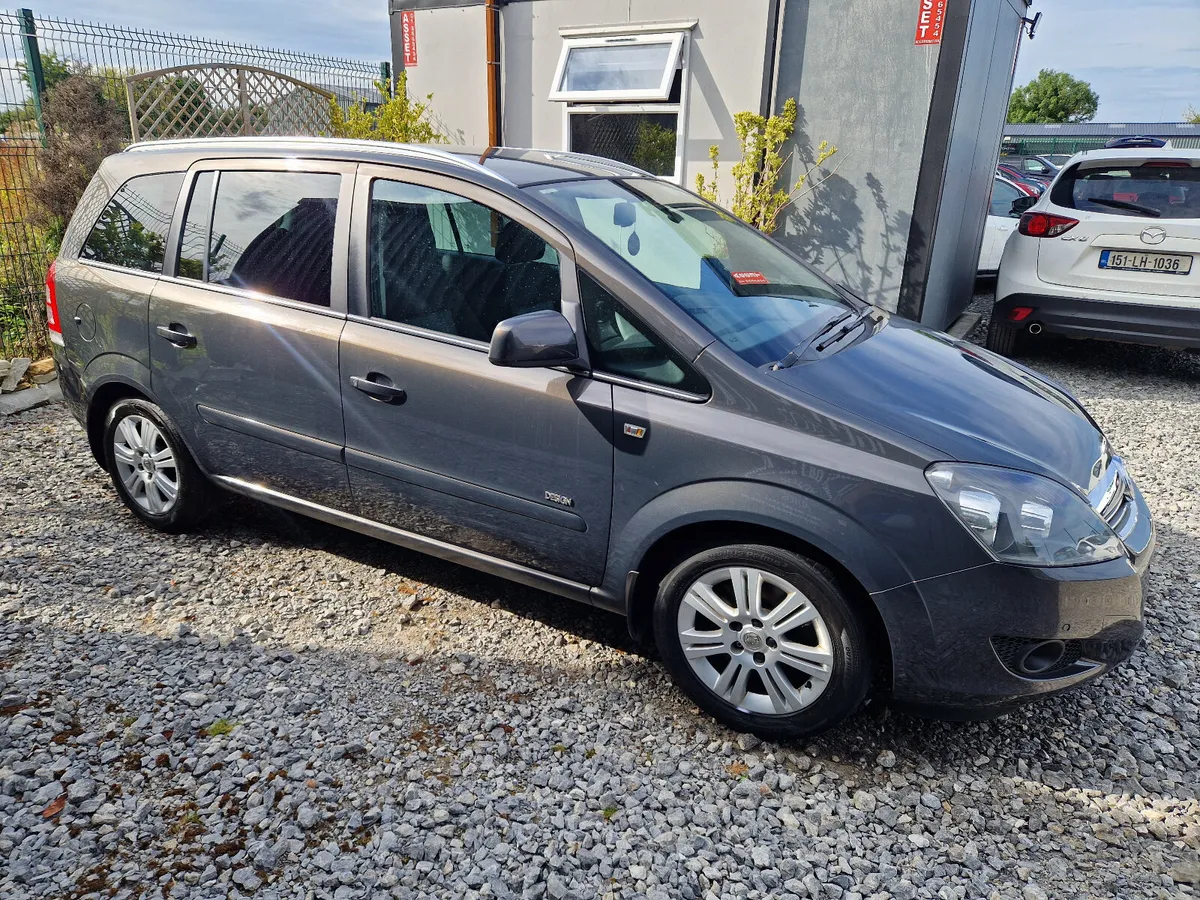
[635, 431]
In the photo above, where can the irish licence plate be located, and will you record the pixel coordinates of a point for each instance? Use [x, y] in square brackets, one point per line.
[1163, 263]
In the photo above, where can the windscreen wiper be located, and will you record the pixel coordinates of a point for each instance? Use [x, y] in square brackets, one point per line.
[798, 351]
[1125, 204]
[845, 329]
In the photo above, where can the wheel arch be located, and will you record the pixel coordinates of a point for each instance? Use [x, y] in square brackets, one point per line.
[102, 397]
[714, 514]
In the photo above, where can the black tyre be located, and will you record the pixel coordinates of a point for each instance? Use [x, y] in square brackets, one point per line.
[150, 467]
[763, 640]
[1004, 338]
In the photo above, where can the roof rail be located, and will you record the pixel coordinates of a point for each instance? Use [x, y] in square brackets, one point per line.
[405, 150]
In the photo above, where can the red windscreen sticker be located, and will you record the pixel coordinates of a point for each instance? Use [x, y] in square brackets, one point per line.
[749, 277]
[1125, 197]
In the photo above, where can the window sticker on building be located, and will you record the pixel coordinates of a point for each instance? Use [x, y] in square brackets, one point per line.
[931, 16]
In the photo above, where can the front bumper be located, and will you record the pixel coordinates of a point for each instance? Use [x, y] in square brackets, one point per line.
[955, 638]
[1108, 320]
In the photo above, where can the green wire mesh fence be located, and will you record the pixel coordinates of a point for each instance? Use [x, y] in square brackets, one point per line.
[36, 54]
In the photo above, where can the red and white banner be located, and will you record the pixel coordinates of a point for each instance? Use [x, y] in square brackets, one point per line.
[931, 16]
[408, 36]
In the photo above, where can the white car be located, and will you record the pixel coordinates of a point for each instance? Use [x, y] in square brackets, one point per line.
[1110, 251]
[1001, 222]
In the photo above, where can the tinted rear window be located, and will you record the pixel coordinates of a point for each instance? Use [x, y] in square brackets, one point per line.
[132, 229]
[1150, 190]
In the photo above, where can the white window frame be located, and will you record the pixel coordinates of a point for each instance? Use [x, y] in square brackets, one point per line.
[674, 39]
[601, 101]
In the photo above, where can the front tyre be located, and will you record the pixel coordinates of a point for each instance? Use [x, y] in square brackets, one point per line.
[151, 468]
[763, 640]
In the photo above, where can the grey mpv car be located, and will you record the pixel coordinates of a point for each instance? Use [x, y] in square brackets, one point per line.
[564, 371]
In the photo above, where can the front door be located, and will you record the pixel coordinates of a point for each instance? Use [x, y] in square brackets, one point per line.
[513, 463]
[244, 333]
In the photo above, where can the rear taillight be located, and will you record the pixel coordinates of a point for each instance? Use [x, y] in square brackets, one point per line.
[1045, 225]
[53, 322]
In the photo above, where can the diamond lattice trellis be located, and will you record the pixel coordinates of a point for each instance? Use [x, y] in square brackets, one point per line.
[223, 100]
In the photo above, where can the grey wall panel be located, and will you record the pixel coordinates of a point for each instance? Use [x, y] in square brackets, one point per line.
[864, 86]
[985, 83]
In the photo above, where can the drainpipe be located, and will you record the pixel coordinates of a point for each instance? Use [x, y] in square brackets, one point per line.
[491, 13]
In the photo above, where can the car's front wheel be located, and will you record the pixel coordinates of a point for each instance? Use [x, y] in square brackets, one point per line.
[763, 640]
[151, 468]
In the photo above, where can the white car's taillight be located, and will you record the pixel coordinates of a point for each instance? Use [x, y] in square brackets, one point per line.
[1044, 225]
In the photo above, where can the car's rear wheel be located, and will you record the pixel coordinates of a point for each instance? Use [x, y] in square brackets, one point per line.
[150, 467]
[763, 640]
[1004, 338]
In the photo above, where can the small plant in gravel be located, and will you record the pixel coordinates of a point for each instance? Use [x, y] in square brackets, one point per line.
[609, 812]
[219, 727]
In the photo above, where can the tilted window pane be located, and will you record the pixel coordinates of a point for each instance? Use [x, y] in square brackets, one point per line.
[272, 232]
[618, 67]
[132, 229]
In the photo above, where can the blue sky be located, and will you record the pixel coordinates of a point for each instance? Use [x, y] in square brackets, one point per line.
[1141, 56]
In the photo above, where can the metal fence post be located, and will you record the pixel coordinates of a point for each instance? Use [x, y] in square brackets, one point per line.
[33, 67]
[385, 72]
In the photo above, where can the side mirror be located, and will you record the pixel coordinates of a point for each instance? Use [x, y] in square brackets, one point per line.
[1021, 205]
[534, 340]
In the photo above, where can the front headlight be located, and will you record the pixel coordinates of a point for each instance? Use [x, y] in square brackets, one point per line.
[1020, 517]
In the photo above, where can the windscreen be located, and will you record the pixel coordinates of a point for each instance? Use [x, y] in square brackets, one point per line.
[1168, 189]
[755, 298]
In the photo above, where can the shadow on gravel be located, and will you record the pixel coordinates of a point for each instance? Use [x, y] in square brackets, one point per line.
[1082, 730]
[281, 526]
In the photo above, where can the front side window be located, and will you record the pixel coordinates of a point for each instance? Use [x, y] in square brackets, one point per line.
[1167, 189]
[618, 343]
[132, 229]
[446, 263]
[1003, 195]
[748, 292]
[270, 232]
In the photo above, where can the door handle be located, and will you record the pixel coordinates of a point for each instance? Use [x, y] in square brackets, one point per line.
[177, 335]
[373, 386]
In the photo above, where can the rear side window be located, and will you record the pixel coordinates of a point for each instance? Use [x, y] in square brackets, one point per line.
[1159, 190]
[132, 229]
[270, 232]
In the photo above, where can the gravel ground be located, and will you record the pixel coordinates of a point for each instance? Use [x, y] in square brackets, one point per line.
[275, 708]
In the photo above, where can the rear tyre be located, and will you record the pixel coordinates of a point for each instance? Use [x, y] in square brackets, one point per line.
[1004, 337]
[763, 640]
[151, 469]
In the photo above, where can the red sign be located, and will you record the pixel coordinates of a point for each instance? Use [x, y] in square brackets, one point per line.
[408, 36]
[931, 16]
[749, 277]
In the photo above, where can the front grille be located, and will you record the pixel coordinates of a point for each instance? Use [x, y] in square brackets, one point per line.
[1112, 498]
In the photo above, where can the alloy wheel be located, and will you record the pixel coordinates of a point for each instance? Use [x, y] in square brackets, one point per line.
[146, 464]
[755, 640]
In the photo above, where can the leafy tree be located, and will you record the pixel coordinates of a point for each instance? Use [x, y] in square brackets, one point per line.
[757, 198]
[55, 69]
[655, 148]
[1053, 97]
[1191, 114]
[399, 118]
[82, 128]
